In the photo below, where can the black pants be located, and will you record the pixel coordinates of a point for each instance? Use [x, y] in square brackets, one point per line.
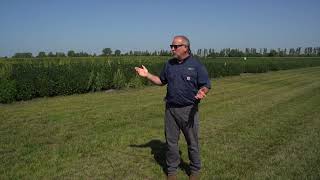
[186, 120]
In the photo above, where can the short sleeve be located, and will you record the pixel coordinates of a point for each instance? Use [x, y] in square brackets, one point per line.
[163, 75]
[203, 77]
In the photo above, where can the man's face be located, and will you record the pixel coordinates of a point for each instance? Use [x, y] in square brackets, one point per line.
[179, 48]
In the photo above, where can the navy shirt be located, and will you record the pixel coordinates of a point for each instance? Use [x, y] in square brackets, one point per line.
[184, 80]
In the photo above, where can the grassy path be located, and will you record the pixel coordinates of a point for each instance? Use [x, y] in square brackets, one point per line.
[253, 126]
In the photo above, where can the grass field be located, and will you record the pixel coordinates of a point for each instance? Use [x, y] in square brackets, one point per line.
[253, 126]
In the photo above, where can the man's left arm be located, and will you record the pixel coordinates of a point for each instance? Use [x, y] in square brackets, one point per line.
[203, 82]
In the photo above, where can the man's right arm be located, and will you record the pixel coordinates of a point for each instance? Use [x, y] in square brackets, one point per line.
[143, 72]
[154, 79]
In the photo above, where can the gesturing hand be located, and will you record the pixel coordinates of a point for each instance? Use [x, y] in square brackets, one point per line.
[201, 93]
[143, 72]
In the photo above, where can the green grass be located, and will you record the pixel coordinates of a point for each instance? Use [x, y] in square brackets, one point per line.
[253, 126]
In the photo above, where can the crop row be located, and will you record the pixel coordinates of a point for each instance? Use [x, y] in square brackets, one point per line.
[24, 79]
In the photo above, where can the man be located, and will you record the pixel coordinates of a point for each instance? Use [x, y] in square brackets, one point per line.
[187, 83]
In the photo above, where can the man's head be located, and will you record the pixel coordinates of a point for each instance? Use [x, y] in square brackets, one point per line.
[180, 47]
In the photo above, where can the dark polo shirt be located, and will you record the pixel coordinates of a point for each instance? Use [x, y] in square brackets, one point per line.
[184, 80]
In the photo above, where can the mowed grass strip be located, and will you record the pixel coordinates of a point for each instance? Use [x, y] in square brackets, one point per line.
[253, 126]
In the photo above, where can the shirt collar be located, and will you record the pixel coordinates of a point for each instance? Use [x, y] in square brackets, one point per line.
[183, 60]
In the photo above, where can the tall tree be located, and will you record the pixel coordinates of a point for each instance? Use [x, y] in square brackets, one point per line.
[222, 52]
[272, 53]
[291, 52]
[71, 53]
[117, 52]
[247, 52]
[285, 52]
[308, 51]
[42, 54]
[253, 51]
[106, 51]
[211, 53]
[50, 54]
[205, 52]
[265, 51]
[298, 51]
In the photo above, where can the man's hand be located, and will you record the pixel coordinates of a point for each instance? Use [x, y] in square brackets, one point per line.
[143, 72]
[202, 93]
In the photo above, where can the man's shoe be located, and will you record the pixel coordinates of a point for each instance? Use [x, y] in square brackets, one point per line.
[172, 177]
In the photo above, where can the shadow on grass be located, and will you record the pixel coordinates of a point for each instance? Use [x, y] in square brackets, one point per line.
[159, 149]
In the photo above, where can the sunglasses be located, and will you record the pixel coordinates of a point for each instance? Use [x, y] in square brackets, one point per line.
[174, 46]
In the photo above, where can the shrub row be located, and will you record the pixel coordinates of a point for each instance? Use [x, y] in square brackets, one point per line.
[22, 79]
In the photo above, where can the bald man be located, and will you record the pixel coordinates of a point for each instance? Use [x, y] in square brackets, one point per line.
[187, 83]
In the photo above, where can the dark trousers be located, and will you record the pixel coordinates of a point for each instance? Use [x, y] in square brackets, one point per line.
[186, 120]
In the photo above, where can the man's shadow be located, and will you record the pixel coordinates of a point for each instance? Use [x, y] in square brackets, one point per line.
[159, 149]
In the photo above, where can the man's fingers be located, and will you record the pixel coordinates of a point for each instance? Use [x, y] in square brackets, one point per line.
[137, 69]
[201, 94]
[142, 71]
[144, 68]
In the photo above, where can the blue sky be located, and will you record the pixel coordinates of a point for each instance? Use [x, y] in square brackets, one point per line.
[90, 26]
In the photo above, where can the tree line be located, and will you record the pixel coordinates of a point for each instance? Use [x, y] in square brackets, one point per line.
[262, 52]
[225, 52]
